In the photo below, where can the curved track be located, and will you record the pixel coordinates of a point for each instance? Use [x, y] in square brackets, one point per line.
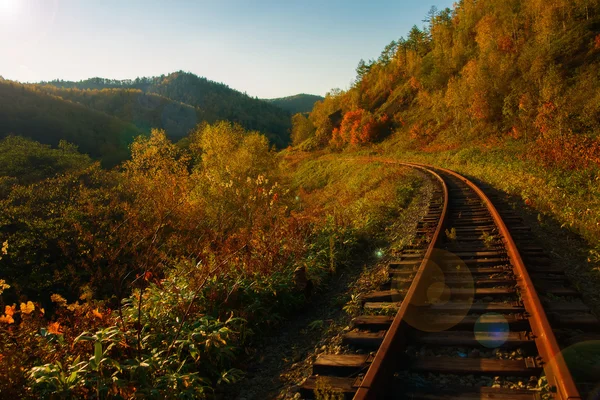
[461, 317]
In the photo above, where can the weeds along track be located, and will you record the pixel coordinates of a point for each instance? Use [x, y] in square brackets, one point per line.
[464, 314]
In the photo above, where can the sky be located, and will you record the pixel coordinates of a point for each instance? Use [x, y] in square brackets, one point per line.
[265, 48]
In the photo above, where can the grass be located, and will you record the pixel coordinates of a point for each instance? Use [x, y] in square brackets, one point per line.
[349, 203]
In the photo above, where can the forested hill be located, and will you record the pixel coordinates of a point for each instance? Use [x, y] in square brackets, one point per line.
[487, 70]
[300, 103]
[213, 102]
[28, 112]
[144, 110]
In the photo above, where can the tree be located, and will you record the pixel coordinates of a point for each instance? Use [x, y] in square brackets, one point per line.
[362, 69]
[302, 129]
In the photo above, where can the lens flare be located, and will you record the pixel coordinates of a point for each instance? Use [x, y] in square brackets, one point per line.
[583, 360]
[491, 330]
[438, 293]
[437, 305]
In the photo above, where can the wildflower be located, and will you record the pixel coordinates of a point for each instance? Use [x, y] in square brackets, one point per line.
[54, 328]
[9, 311]
[7, 319]
[27, 308]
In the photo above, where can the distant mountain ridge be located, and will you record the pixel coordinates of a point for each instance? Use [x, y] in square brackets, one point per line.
[300, 103]
[211, 101]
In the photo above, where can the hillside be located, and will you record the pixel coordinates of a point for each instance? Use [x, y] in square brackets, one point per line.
[300, 103]
[213, 102]
[28, 112]
[144, 110]
[527, 71]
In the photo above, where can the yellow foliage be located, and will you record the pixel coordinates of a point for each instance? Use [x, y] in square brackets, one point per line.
[58, 299]
[3, 286]
[27, 308]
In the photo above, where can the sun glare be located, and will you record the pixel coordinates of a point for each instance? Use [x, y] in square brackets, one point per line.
[9, 8]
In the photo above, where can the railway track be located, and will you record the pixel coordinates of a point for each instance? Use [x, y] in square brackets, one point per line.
[467, 313]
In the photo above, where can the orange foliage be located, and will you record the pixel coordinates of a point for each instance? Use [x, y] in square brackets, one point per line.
[570, 152]
[414, 83]
[54, 328]
[398, 119]
[480, 108]
[9, 311]
[597, 42]
[514, 133]
[336, 138]
[423, 135]
[358, 127]
[525, 102]
[545, 117]
[505, 44]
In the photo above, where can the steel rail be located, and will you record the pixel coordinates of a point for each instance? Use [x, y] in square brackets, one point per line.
[555, 368]
[393, 340]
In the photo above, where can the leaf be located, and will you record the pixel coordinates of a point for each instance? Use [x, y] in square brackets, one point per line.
[114, 363]
[97, 352]
[72, 377]
[27, 308]
[54, 328]
[84, 336]
[318, 324]
[10, 310]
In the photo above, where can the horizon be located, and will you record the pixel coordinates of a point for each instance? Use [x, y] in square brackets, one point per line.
[266, 50]
[155, 76]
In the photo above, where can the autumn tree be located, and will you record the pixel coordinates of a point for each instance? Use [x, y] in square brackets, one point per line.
[302, 129]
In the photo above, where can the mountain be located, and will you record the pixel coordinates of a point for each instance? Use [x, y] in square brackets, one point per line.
[300, 103]
[144, 110]
[212, 102]
[48, 119]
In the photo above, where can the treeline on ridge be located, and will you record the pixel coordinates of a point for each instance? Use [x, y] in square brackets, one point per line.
[300, 103]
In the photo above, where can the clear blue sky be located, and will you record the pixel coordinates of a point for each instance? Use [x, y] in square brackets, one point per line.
[267, 48]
